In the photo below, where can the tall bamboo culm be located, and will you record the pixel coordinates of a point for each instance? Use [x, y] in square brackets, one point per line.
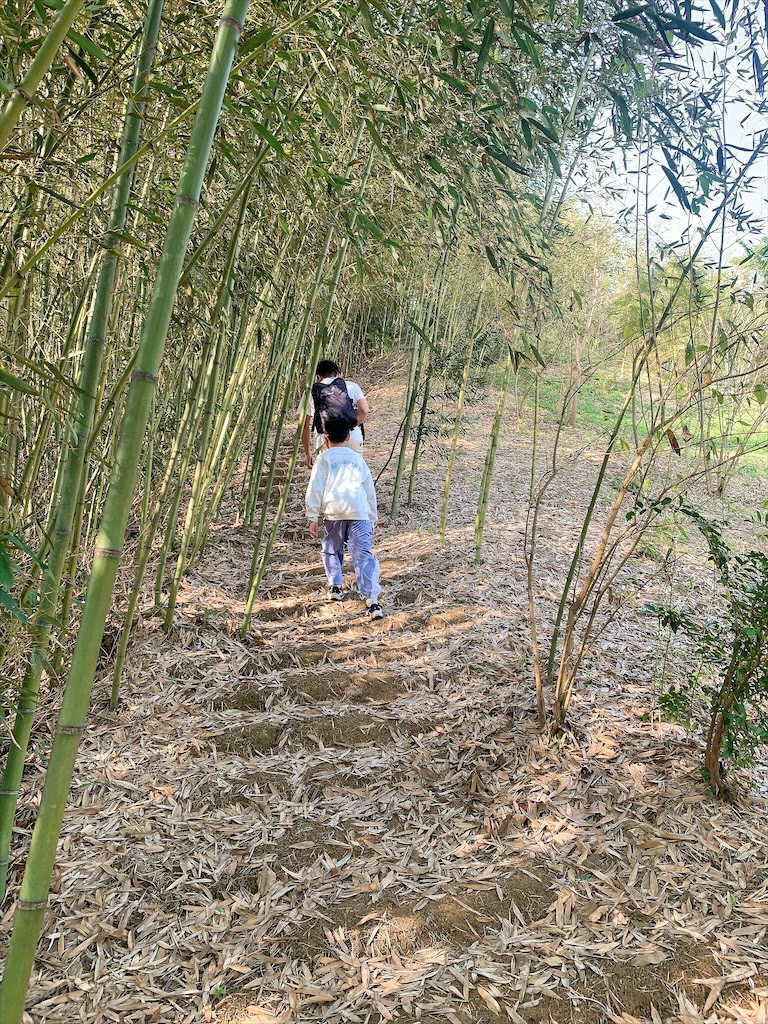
[458, 415]
[69, 506]
[22, 94]
[490, 461]
[35, 888]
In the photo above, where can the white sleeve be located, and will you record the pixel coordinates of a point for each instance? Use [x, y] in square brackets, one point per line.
[315, 489]
[354, 391]
[370, 493]
[306, 406]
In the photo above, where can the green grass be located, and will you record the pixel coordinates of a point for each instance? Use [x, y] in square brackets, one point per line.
[599, 403]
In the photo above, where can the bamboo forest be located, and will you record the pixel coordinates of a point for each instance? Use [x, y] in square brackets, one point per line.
[384, 490]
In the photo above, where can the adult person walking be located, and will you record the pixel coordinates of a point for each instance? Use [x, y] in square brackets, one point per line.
[332, 395]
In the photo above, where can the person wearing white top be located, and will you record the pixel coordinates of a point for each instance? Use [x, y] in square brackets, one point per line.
[326, 372]
[341, 490]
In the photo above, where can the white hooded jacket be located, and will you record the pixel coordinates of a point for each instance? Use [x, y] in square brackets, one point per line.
[341, 487]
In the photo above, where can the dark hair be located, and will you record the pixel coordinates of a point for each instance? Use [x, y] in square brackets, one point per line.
[327, 368]
[336, 429]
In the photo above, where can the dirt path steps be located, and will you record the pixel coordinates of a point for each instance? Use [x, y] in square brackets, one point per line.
[340, 820]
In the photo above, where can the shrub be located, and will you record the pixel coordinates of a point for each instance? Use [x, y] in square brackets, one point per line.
[733, 652]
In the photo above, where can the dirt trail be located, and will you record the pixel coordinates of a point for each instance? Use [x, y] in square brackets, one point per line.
[341, 820]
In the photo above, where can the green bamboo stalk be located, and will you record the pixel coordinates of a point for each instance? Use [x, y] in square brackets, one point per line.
[446, 340]
[77, 692]
[241, 350]
[90, 201]
[69, 509]
[529, 553]
[142, 554]
[22, 95]
[410, 405]
[279, 344]
[426, 395]
[320, 337]
[490, 461]
[258, 561]
[414, 380]
[263, 393]
[147, 537]
[219, 322]
[458, 415]
[257, 462]
[32, 467]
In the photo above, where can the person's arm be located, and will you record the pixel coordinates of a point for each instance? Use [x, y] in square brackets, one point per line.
[305, 433]
[314, 495]
[370, 493]
[362, 410]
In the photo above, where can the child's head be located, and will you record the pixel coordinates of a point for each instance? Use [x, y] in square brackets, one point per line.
[327, 368]
[336, 430]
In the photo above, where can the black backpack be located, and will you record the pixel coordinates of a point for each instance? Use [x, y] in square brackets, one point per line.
[332, 400]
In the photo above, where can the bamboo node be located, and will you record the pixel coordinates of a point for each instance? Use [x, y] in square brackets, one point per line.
[107, 552]
[8, 792]
[233, 23]
[23, 93]
[70, 730]
[182, 200]
[32, 904]
[144, 375]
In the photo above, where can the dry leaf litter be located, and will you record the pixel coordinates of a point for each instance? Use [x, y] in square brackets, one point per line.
[345, 821]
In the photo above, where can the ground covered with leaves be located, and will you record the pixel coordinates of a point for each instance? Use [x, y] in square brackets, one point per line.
[339, 820]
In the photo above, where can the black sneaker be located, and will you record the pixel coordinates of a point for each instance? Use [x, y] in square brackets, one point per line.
[374, 610]
[335, 594]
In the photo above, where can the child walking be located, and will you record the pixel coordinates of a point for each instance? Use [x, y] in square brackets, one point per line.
[341, 488]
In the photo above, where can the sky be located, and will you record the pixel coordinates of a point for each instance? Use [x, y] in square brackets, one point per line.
[743, 124]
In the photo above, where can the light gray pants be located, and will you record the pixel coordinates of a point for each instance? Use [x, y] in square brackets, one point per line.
[357, 535]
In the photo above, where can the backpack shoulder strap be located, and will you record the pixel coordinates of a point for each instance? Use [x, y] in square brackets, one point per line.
[317, 390]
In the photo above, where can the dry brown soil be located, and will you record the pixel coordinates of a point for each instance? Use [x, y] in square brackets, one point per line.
[339, 820]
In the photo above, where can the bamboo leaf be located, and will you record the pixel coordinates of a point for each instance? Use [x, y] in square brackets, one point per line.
[630, 12]
[328, 113]
[7, 567]
[88, 45]
[537, 355]
[545, 130]
[554, 160]
[8, 602]
[761, 393]
[16, 383]
[502, 158]
[485, 49]
[264, 133]
[17, 542]
[621, 104]
[379, 142]
[678, 188]
[435, 165]
[253, 42]
[686, 28]
[491, 258]
[717, 12]
[382, 10]
[455, 82]
[758, 70]
[636, 30]
[84, 66]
